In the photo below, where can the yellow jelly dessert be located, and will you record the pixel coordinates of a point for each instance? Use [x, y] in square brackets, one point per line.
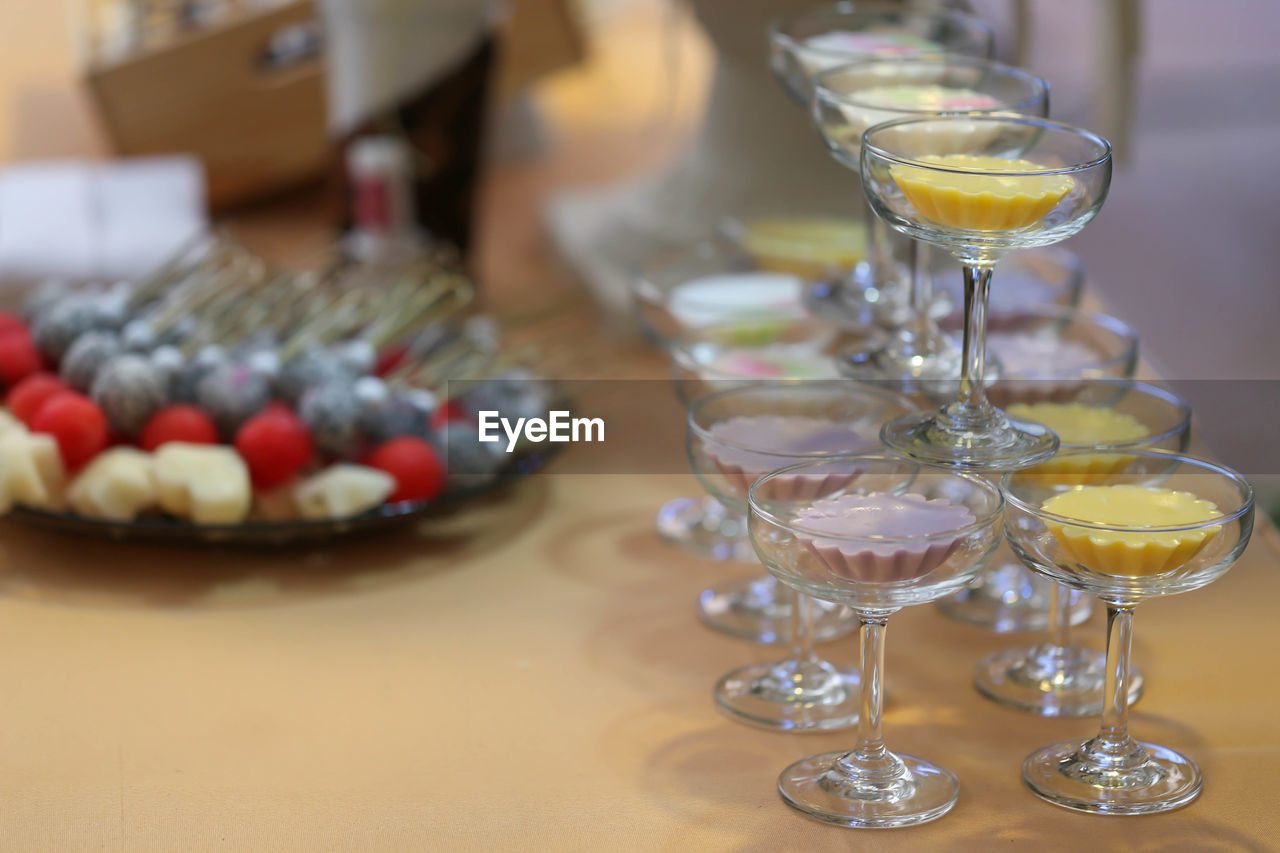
[1132, 553]
[805, 246]
[1083, 426]
[981, 202]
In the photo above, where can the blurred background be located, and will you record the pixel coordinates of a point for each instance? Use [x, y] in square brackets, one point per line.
[530, 118]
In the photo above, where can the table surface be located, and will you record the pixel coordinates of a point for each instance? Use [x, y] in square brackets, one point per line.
[531, 676]
[528, 674]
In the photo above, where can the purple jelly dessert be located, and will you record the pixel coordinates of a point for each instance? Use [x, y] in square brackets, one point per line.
[859, 519]
[745, 448]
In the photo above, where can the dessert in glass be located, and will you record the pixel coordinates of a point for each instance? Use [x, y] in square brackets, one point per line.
[980, 186]
[1057, 678]
[1125, 526]
[876, 533]
[812, 246]
[783, 349]
[849, 99]
[1047, 353]
[822, 37]
[710, 284]
[740, 434]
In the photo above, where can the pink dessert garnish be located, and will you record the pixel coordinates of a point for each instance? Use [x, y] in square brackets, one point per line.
[882, 515]
[745, 448]
[870, 42]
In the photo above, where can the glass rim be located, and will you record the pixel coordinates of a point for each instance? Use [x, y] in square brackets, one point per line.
[1012, 499]
[841, 386]
[754, 507]
[778, 27]
[1180, 405]
[821, 91]
[1007, 117]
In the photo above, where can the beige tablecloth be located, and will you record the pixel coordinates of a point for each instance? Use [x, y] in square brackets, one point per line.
[541, 685]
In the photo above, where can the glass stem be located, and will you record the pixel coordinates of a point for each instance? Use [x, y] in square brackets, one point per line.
[880, 254]
[1115, 710]
[870, 750]
[921, 327]
[1113, 750]
[970, 410]
[1059, 616]
[802, 629]
[869, 767]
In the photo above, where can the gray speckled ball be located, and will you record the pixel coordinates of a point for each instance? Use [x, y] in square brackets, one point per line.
[405, 412]
[129, 390]
[264, 362]
[231, 394]
[184, 385]
[469, 463]
[58, 327]
[515, 395]
[44, 296]
[168, 362]
[357, 355]
[138, 336]
[312, 370]
[332, 413]
[86, 357]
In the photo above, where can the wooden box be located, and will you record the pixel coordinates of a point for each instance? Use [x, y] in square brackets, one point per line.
[261, 129]
[258, 128]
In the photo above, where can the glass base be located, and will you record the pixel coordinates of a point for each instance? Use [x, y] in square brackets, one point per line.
[1004, 445]
[904, 363]
[759, 611]
[705, 527]
[791, 695]
[1049, 680]
[1007, 598]
[832, 789]
[1132, 778]
[851, 302]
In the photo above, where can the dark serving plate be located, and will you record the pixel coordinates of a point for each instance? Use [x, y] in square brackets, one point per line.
[177, 532]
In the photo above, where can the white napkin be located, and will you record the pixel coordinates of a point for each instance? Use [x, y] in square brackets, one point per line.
[46, 221]
[85, 220]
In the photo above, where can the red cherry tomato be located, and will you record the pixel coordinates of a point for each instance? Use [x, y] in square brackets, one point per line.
[452, 410]
[415, 465]
[76, 423]
[26, 398]
[19, 357]
[389, 359]
[275, 445]
[178, 422]
[11, 323]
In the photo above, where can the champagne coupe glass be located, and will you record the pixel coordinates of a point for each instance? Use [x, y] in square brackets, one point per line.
[820, 247]
[980, 186]
[1140, 524]
[720, 356]
[1057, 678]
[849, 99]
[711, 284]
[739, 434]
[822, 37]
[876, 533]
[1047, 353]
